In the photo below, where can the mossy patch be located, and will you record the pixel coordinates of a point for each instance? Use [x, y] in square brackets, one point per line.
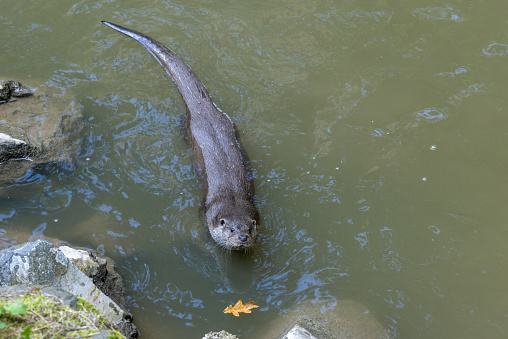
[48, 318]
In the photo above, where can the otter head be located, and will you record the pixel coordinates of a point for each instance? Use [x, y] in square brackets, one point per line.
[233, 232]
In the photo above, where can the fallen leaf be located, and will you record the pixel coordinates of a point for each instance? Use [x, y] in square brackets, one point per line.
[240, 307]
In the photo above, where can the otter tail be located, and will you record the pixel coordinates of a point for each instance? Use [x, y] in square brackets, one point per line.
[192, 89]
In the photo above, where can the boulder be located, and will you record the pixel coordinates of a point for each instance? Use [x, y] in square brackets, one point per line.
[99, 268]
[346, 320]
[40, 263]
[37, 131]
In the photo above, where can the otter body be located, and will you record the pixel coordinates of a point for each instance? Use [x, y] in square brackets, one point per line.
[230, 213]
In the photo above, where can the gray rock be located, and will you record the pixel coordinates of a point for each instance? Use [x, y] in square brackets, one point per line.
[41, 263]
[298, 332]
[62, 296]
[10, 89]
[37, 132]
[100, 269]
[102, 335]
[305, 328]
[15, 290]
[84, 260]
[220, 335]
[347, 320]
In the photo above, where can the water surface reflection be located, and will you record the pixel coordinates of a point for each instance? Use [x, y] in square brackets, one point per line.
[377, 140]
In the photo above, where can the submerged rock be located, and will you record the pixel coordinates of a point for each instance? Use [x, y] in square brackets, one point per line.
[37, 131]
[298, 332]
[220, 335]
[40, 263]
[348, 319]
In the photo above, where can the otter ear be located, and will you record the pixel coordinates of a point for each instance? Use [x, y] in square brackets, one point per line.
[222, 222]
[254, 223]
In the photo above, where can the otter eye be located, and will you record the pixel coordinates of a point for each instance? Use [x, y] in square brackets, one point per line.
[223, 222]
[232, 230]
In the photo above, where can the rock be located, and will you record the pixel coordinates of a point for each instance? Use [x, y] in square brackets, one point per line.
[298, 332]
[41, 263]
[107, 280]
[347, 320]
[36, 132]
[10, 147]
[84, 260]
[64, 297]
[305, 328]
[104, 335]
[53, 313]
[100, 269]
[10, 88]
[220, 335]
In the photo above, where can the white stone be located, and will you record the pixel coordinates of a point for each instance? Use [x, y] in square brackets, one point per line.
[298, 332]
[7, 139]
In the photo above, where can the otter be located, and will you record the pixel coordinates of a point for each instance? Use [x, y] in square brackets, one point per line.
[228, 206]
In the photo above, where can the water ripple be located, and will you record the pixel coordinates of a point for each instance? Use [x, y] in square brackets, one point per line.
[446, 13]
[496, 49]
[431, 114]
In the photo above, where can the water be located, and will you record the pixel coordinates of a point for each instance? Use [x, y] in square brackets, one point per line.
[376, 131]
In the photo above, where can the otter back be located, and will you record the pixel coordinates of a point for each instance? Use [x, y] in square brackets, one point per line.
[230, 213]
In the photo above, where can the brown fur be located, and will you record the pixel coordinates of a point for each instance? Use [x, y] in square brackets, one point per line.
[230, 213]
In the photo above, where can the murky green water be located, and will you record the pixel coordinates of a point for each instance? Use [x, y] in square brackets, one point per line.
[377, 134]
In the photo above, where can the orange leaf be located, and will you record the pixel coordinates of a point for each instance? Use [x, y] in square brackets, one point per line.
[240, 307]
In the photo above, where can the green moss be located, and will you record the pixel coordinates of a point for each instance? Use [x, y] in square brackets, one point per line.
[50, 319]
[84, 305]
[115, 335]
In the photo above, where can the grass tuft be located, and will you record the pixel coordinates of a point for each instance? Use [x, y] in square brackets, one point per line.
[47, 318]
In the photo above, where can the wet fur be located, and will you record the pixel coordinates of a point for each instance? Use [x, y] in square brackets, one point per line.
[228, 207]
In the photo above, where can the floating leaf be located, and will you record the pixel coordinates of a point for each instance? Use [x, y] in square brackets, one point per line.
[240, 307]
